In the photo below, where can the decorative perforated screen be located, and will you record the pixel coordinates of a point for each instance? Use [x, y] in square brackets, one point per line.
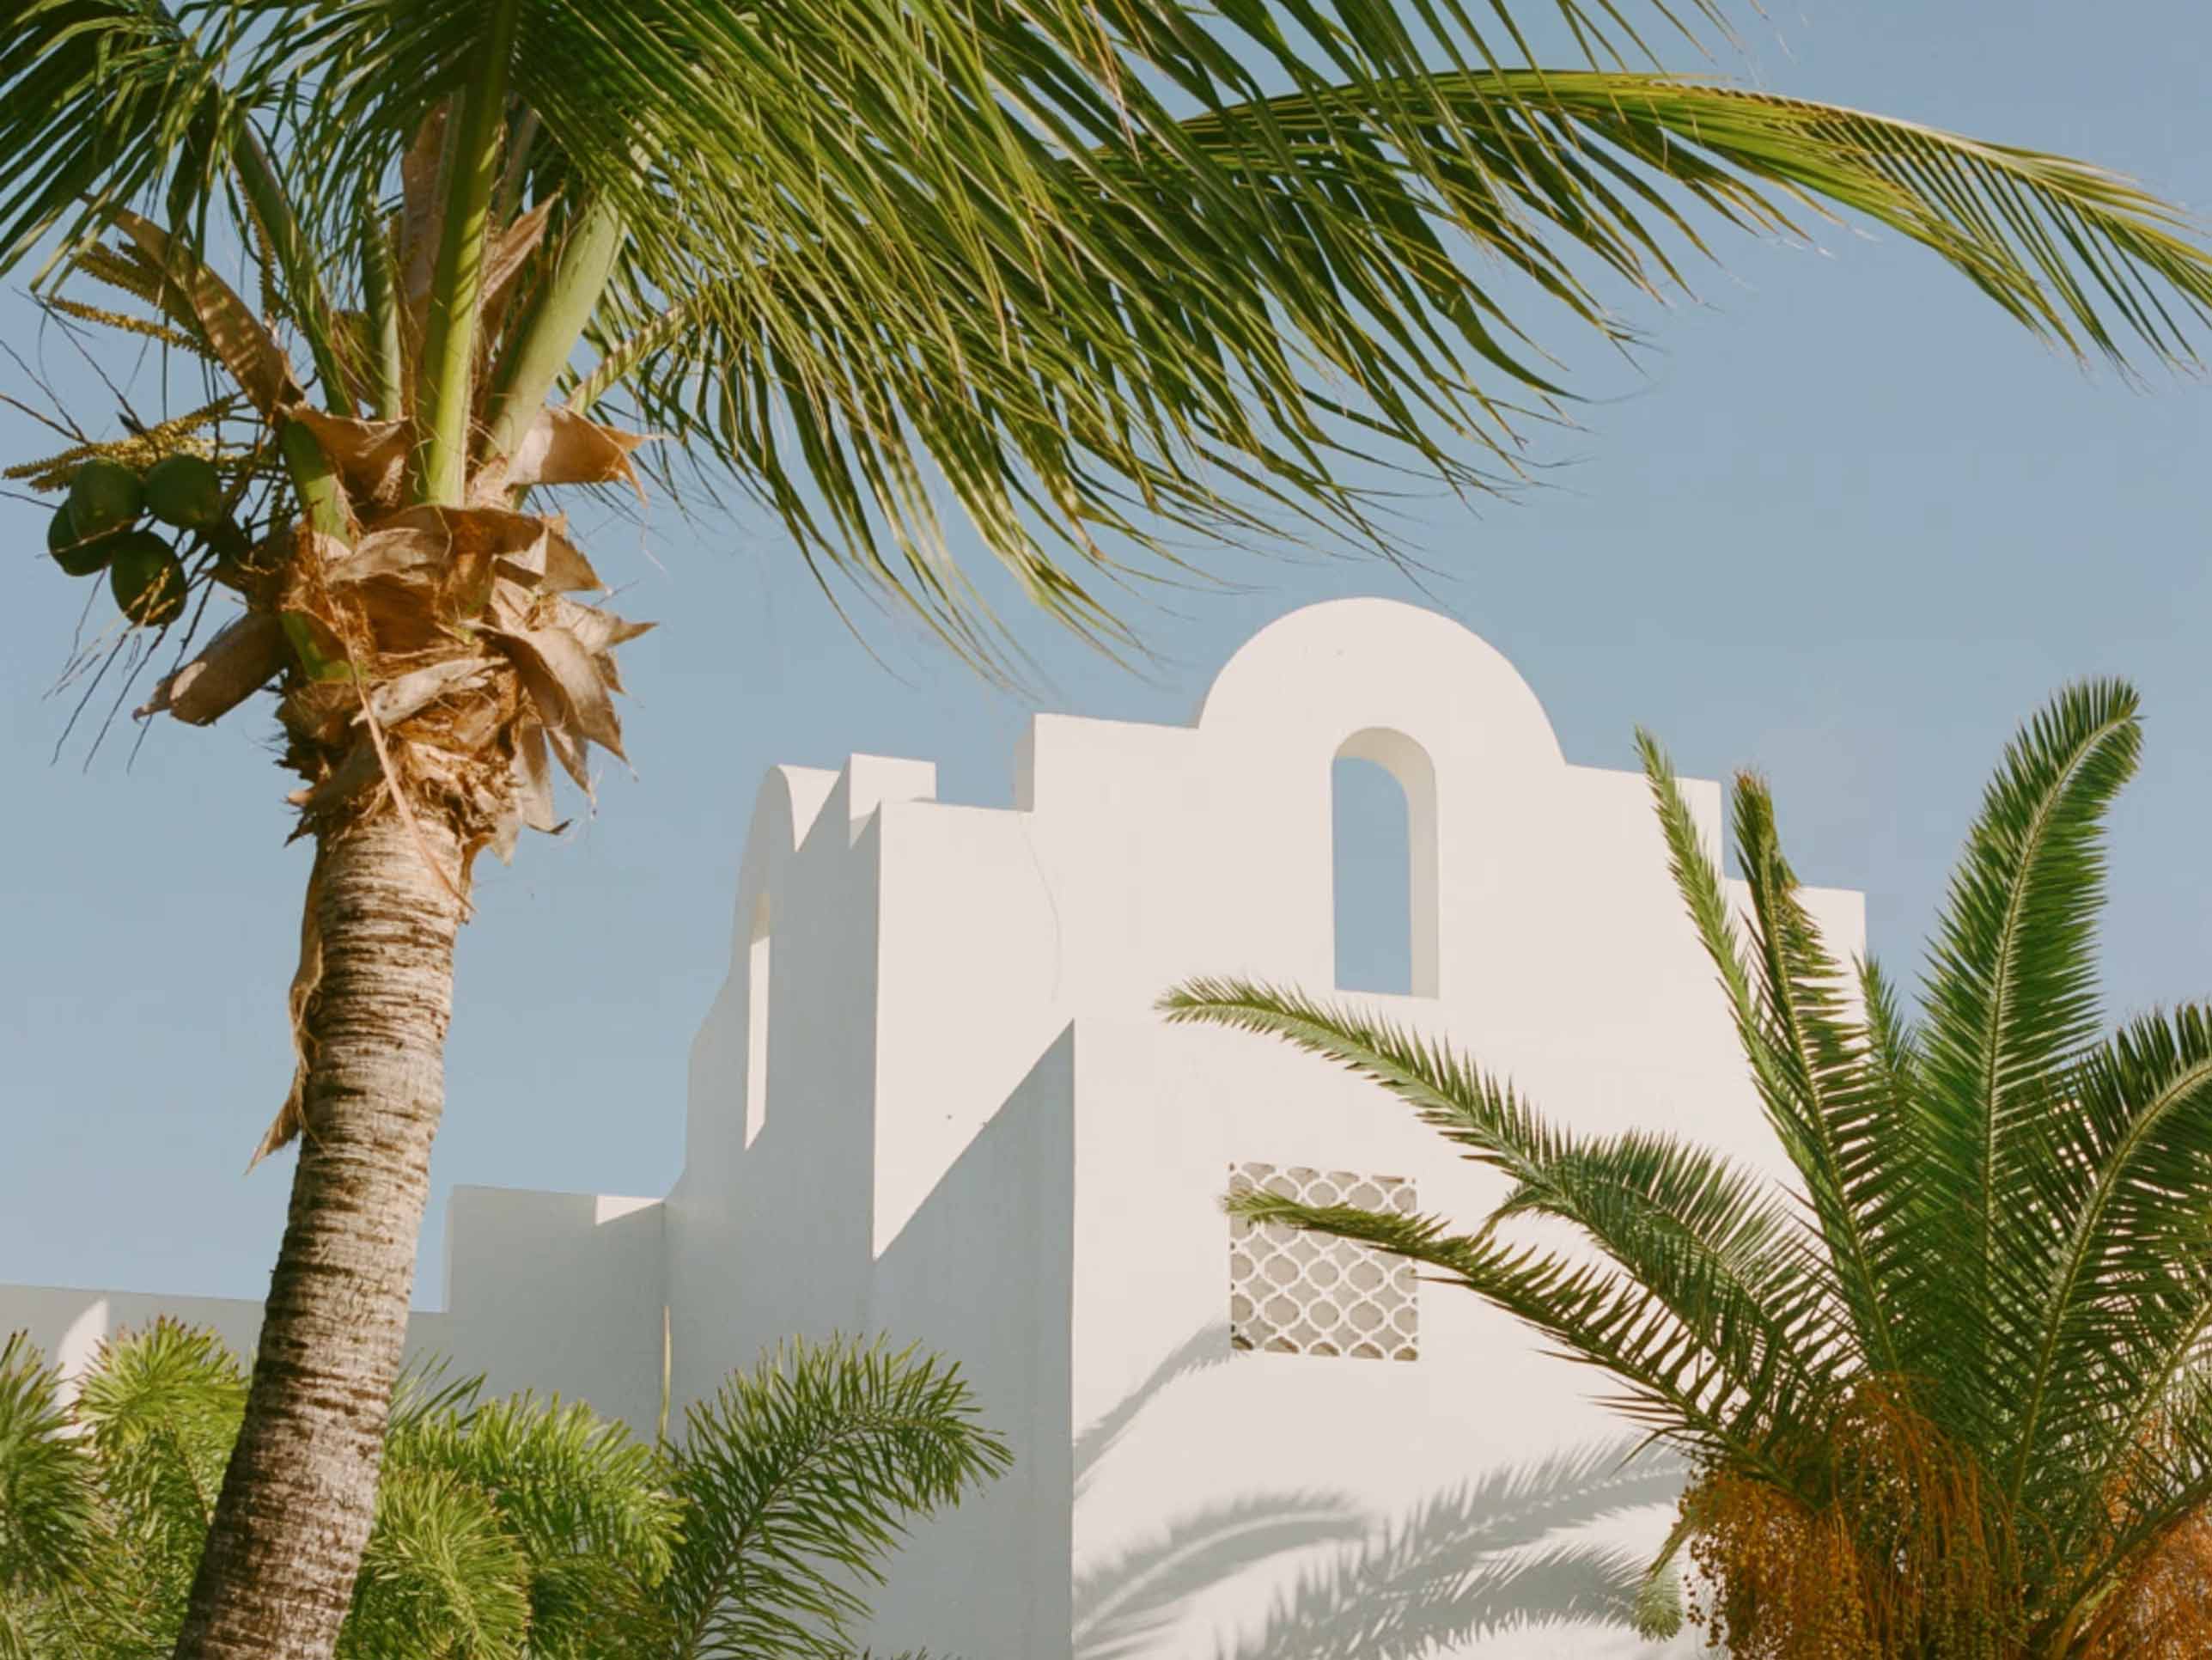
[1292, 1292]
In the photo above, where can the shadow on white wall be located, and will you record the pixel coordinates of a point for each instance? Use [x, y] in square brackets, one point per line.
[1499, 1552]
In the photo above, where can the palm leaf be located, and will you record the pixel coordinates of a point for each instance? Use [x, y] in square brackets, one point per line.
[582, 1499]
[2011, 1000]
[1715, 1287]
[1089, 277]
[1839, 1127]
[1154, 324]
[162, 1406]
[443, 1574]
[1831, 1113]
[1720, 1248]
[2079, 255]
[1667, 1378]
[2125, 1208]
[112, 103]
[50, 1525]
[797, 1479]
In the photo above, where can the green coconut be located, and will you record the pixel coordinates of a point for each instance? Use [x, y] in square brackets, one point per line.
[80, 556]
[104, 496]
[147, 579]
[184, 491]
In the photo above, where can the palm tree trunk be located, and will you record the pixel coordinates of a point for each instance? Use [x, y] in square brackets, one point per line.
[285, 1545]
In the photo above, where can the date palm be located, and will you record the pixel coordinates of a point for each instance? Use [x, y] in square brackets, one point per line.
[1105, 278]
[1947, 1395]
[505, 1530]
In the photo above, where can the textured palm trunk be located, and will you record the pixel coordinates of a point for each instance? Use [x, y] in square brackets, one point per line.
[296, 1503]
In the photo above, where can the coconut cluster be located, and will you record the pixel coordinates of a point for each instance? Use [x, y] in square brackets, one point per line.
[99, 527]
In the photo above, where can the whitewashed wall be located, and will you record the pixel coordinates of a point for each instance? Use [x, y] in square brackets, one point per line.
[1202, 1488]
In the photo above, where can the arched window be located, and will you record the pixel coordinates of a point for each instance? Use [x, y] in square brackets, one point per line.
[1383, 833]
[756, 1024]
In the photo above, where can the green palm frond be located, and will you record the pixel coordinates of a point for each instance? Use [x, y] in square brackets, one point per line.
[1842, 1131]
[507, 1528]
[581, 1496]
[1836, 1127]
[2077, 254]
[161, 1406]
[1892, 1039]
[443, 1576]
[1718, 1299]
[1847, 1134]
[113, 103]
[2125, 1178]
[1704, 894]
[1667, 1378]
[1190, 324]
[2012, 990]
[1725, 1254]
[51, 1524]
[798, 1478]
[1097, 281]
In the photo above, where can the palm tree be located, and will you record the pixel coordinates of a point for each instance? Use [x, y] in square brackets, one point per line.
[1106, 277]
[1947, 1396]
[504, 1529]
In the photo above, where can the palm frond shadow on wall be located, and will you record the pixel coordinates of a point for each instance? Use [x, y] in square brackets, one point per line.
[1498, 1551]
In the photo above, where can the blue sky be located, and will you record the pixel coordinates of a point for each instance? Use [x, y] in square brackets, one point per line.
[1846, 523]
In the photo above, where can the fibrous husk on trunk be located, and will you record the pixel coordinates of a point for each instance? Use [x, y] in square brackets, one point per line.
[438, 659]
[444, 628]
[443, 659]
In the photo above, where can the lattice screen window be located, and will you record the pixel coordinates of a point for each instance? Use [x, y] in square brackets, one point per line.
[1292, 1292]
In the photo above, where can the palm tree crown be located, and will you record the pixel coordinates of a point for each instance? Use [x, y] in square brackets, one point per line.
[1946, 1396]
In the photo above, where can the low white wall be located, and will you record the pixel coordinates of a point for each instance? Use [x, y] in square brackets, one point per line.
[69, 1325]
[559, 1293]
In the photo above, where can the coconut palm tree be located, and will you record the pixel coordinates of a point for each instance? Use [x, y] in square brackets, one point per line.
[1105, 278]
[1946, 1395]
[515, 1528]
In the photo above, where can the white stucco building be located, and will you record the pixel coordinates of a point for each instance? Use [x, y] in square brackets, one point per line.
[933, 1100]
